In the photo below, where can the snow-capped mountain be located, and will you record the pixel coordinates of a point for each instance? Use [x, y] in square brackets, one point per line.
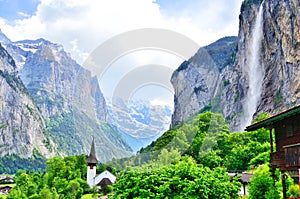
[68, 97]
[140, 122]
[4, 39]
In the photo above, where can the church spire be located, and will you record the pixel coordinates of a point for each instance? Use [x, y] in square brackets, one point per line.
[92, 159]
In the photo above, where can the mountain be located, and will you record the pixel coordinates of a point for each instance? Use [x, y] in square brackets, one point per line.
[196, 81]
[22, 126]
[263, 75]
[139, 122]
[69, 99]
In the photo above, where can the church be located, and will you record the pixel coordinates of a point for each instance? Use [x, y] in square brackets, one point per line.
[100, 180]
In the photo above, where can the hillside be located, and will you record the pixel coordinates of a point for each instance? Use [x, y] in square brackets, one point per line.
[207, 139]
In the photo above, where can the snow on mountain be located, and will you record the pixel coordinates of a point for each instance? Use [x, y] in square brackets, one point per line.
[140, 122]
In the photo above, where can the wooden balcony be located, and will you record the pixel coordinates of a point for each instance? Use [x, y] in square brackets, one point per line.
[286, 159]
[277, 159]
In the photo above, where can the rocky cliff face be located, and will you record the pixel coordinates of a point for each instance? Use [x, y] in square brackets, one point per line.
[196, 82]
[281, 55]
[69, 98]
[22, 127]
[56, 81]
[278, 57]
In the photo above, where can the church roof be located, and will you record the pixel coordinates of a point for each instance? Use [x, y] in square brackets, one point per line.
[105, 175]
[92, 159]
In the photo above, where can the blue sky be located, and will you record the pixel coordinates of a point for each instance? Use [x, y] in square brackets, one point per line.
[17, 9]
[82, 25]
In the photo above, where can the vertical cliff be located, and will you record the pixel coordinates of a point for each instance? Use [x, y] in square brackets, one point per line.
[278, 58]
[56, 81]
[281, 55]
[197, 81]
[22, 127]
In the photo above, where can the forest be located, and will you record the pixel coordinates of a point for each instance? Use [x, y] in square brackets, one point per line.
[189, 161]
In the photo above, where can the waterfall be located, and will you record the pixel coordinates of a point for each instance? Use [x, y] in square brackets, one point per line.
[255, 71]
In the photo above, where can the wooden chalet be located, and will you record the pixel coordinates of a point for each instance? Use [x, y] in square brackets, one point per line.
[285, 129]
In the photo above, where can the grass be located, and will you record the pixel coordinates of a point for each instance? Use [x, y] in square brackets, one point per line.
[90, 196]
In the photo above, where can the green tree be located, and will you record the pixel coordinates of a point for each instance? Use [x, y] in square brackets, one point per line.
[261, 184]
[165, 157]
[46, 193]
[261, 117]
[16, 193]
[62, 180]
[184, 179]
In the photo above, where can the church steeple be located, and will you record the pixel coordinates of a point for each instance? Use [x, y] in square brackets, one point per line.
[92, 159]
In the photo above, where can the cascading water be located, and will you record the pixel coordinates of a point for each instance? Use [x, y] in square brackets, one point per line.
[255, 71]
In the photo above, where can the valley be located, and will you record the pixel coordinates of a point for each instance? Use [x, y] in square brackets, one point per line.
[59, 131]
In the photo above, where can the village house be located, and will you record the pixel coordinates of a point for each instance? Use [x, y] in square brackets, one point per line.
[284, 128]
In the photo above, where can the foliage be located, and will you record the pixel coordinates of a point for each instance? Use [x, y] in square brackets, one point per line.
[183, 163]
[210, 127]
[278, 183]
[207, 138]
[294, 191]
[261, 117]
[64, 179]
[63, 129]
[12, 163]
[261, 184]
[184, 179]
[90, 196]
[260, 159]
[68, 131]
[238, 149]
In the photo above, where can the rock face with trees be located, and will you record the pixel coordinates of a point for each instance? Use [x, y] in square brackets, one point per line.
[225, 87]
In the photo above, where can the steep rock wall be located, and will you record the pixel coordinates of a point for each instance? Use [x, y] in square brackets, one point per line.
[22, 127]
[279, 58]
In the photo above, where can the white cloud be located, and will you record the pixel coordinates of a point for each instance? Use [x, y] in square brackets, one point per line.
[22, 14]
[91, 22]
[82, 25]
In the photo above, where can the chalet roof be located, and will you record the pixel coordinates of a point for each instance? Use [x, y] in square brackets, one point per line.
[274, 119]
[92, 159]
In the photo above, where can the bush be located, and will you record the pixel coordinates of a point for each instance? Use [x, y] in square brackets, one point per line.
[294, 191]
